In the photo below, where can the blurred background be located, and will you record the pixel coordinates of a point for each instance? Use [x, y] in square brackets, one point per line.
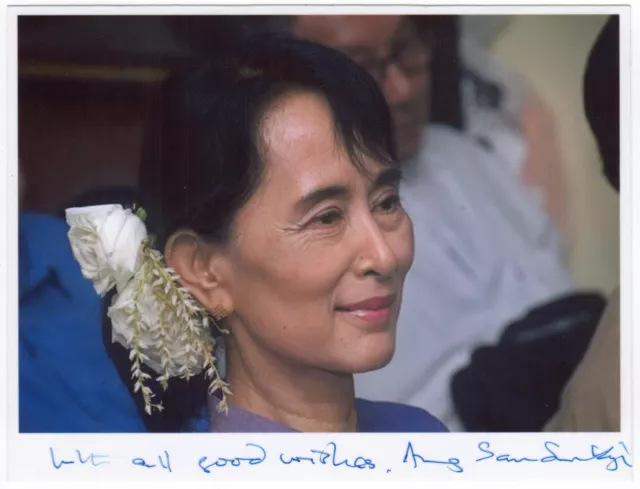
[551, 52]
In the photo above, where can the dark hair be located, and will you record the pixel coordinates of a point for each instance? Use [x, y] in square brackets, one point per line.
[102, 195]
[602, 97]
[202, 157]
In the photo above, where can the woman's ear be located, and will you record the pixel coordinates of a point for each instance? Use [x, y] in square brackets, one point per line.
[195, 262]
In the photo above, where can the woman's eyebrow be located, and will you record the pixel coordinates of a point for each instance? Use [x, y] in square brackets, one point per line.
[387, 177]
[314, 197]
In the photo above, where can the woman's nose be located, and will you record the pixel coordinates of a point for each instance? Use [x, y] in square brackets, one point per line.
[376, 256]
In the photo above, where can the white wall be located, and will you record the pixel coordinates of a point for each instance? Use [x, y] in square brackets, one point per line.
[551, 51]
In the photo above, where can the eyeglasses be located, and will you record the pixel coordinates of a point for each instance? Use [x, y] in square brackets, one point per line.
[412, 55]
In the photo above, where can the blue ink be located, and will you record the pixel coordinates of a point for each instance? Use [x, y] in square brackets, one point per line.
[596, 454]
[622, 444]
[328, 455]
[92, 458]
[57, 465]
[483, 446]
[233, 462]
[141, 463]
[453, 464]
[165, 464]
[550, 447]
[358, 463]
[296, 459]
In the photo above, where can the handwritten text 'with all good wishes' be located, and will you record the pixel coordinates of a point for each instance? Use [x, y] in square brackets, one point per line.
[611, 458]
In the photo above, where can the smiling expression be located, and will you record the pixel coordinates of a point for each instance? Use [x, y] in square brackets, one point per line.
[320, 251]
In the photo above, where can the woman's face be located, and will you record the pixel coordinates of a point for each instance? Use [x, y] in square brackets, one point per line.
[320, 251]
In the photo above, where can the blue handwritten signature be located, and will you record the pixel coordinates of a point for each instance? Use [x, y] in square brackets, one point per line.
[453, 464]
[328, 456]
[551, 448]
[163, 461]
[95, 460]
[234, 461]
[92, 459]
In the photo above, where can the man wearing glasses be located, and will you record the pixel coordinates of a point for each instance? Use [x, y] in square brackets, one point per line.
[390, 49]
[486, 252]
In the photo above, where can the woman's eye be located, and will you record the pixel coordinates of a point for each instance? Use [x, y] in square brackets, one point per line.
[328, 218]
[389, 204]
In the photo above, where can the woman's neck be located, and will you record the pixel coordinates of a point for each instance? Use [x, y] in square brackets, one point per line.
[307, 400]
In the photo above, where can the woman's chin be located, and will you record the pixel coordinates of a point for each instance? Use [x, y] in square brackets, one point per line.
[373, 357]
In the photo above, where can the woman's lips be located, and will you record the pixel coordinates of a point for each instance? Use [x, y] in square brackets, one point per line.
[374, 310]
[370, 315]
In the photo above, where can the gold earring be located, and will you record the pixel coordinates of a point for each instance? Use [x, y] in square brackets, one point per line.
[220, 313]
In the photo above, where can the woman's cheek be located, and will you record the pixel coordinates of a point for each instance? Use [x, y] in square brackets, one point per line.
[404, 245]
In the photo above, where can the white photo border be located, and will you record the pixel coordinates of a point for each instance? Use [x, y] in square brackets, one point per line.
[26, 460]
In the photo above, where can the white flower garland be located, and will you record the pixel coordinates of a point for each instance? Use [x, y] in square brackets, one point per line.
[152, 314]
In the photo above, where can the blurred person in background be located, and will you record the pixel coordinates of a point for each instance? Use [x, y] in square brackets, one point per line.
[486, 251]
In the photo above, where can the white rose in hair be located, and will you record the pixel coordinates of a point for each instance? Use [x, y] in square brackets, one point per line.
[129, 325]
[106, 240]
[137, 316]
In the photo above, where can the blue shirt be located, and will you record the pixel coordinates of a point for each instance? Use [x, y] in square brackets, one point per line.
[67, 382]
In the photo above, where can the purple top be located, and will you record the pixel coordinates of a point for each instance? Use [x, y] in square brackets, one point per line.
[373, 417]
[238, 420]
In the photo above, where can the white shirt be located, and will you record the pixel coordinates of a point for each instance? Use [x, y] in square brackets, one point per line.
[486, 252]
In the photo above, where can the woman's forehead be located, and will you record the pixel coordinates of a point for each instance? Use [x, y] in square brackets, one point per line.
[301, 144]
[299, 127]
